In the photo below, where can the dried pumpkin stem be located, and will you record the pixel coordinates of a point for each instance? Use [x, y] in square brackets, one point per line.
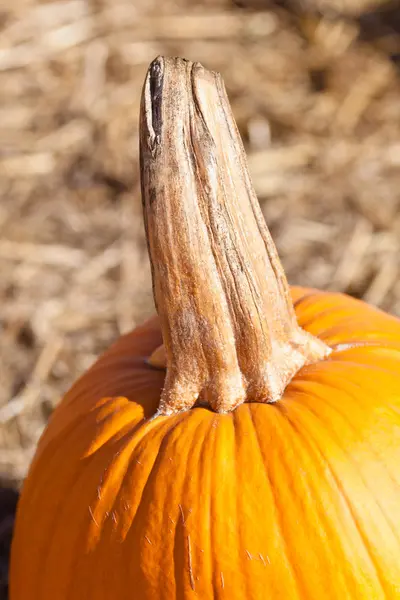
[229, 328]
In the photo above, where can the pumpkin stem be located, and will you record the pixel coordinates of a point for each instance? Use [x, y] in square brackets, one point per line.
[229, 328]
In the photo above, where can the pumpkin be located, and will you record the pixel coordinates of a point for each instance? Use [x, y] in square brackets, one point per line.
[244, 443]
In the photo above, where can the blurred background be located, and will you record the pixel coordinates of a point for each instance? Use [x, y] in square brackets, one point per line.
[315, 89]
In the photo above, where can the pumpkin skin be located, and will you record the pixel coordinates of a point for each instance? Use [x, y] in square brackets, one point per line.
[295, 500]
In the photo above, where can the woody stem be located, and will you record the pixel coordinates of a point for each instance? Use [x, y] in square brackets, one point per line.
[228, 323]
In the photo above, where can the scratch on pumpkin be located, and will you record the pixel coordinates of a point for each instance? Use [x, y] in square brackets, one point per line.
[182, 515]
[222, 580]
[92, 515]
[148, 540]
[190, 563]
[263, 559]
[184, 520]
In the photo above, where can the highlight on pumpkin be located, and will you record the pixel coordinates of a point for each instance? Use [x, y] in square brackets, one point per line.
[245, 443]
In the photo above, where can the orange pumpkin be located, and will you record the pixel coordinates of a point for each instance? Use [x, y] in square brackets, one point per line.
[295, 497]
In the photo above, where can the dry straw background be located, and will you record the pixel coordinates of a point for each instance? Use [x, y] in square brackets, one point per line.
[315, 89]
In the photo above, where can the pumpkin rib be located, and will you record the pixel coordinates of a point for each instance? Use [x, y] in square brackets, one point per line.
[313, 318]
[52, 453]
[128, 444]
[86, 383]
[364, 345]
[90, 460]
[237, 511]
[65, 505]
[87, 467]
[334, 438]
[354, 365]
[124, 380]
[212, 505]
[344, 416]
[337, 332]
[205, 456]
[240, 419]
[135, 519]
[90, 401]
[39, 547]
[180, 530]
[304, 374]
[136, 444]
[344, 325]
[104, 422]
[92, 509]
[121, 432]
[330, 519]
[342, 312]
[177, 547]
[376, 350]
[329, 524]
[165, 435]
[211, 511]
[298, 585]
[338, 302]
[340, 489]
[325, 524]
[305, 295]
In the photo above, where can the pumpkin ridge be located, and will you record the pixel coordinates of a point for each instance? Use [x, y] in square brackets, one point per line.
[244, 579]
[141, 506]
[338, 361]
[125, 441]
[137, 435]
[96, 392]
[308, 295]
[127, 431]
[88, 416]
[316, 317]
[54, 452]
[315, 447]
[216, 507]
[343, 415]
[311, 450]
[331, 383]
[167, 430]
[356, 467]
[182, 540]
[296, 581]
[63, 506]
[339, 357]
[39, 485]
[206, 457]
[367, 344]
